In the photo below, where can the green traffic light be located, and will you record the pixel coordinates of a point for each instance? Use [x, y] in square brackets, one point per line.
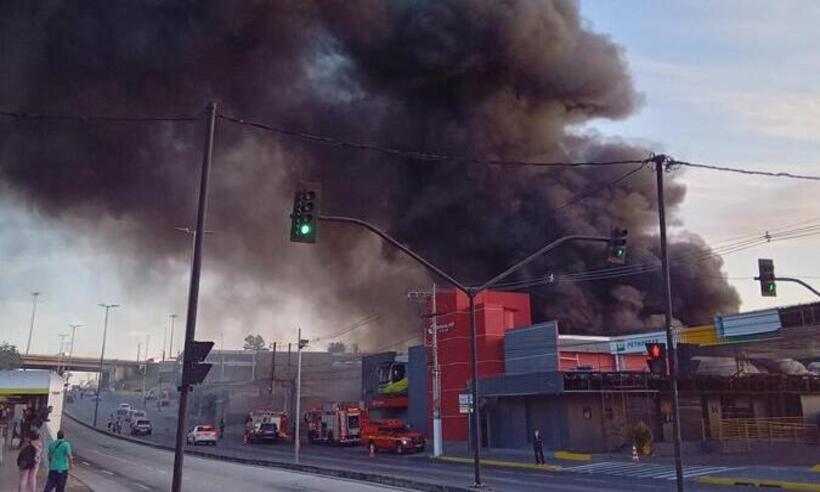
[619, 252]
[304, 229]
[770, 287]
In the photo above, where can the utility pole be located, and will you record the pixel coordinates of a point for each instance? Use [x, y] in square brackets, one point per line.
[171, 348]
[273, 373]
[193, 298]
[437, 430]
[660, 161]
[107, 308]
[71, 350]
[60, 355]
[34, 296]
[145, 361]
[139, 348]
[300, 344]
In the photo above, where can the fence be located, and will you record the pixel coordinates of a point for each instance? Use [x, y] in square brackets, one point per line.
[767, 430]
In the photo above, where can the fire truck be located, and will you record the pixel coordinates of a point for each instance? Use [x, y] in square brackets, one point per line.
[335, 423]
[265, 426]
[391, 435]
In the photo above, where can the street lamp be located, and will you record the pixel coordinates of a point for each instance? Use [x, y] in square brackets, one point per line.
[34, 296]
[107, 308]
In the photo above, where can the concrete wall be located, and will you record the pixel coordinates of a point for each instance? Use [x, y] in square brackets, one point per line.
[811, 408]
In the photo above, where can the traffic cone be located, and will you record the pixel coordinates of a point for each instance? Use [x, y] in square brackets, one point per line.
[635, 453]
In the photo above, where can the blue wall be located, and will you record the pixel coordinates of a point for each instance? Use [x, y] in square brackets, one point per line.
[417, 412]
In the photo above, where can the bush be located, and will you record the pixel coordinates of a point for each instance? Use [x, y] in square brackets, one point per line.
[642, 437]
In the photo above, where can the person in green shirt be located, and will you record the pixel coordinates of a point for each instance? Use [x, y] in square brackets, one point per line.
[59, 462]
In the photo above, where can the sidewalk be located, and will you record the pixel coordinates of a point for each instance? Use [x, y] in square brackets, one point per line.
[10, 475]
[711, 468]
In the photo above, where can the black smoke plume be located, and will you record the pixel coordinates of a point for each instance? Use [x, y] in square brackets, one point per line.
[499, 80]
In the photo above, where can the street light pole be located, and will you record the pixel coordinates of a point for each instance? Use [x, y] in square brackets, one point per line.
[300, 344]
[107, 308]
[437, 430]
[171, 348]
[34, 295]
[193, 297]
[145, 361]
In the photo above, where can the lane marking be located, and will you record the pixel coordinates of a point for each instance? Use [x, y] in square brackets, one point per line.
[107, 472]
[143, 487]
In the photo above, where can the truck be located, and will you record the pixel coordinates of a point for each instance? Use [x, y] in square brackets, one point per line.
[334, 423]
[269, 426]
[391, 435]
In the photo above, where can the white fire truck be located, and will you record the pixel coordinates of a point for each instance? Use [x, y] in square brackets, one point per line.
[335, 423]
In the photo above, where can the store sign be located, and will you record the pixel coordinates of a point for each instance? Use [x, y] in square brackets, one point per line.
[635, 344]
[465, 403]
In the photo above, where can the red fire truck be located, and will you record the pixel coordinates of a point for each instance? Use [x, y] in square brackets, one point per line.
[265, 426]
[335, 423]
[391, 435]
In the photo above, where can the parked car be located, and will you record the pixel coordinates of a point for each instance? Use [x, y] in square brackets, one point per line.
[391, 435]
[141, 427]
[133, 415]
[263, 432]
[203, 434]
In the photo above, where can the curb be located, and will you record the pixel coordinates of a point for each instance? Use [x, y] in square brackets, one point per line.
[570, 456]
[501, 464]
[312, 469]
[755, 482]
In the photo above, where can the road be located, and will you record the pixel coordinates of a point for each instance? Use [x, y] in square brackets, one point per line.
[416, 467]
[113, 465]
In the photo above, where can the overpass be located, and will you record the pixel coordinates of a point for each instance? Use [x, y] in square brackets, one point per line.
[76, 364]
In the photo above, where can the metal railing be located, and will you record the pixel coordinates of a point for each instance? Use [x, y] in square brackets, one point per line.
[767, 430]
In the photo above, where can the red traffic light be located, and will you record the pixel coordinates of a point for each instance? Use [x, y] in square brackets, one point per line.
[655, 351]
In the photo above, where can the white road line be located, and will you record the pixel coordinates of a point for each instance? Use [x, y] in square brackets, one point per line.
[107, 472]
[86, 463]
[143, 487]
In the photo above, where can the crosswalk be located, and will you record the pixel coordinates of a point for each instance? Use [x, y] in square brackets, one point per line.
[644, 470]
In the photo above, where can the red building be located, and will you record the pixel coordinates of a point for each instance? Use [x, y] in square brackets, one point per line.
[496, 312]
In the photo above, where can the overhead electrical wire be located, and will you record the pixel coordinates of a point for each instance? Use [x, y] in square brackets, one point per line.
[123, 119]
[737, 170]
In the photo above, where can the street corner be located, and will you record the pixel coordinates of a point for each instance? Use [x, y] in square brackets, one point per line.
[759, 483]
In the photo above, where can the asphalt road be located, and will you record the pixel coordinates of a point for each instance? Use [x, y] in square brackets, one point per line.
[417, 467]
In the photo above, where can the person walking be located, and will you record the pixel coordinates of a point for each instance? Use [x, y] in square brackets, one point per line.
[59, 462]
[221, 427]
[538, 447]
[28, 461]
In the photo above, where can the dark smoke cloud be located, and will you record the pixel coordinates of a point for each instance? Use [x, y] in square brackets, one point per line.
[487, 79]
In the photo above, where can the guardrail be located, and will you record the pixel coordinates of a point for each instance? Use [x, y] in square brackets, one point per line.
[767, 430]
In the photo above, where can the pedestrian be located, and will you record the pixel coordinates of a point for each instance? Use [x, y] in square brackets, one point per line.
[221, 427]
[538, 447]
[28, 460]
[59, 462]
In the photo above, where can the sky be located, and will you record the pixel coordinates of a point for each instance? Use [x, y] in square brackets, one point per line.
[724, 82]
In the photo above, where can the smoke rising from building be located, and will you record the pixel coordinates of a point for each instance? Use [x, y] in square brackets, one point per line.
[506, 80]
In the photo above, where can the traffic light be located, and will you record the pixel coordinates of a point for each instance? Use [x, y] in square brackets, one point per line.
[196, 369]
[305, 217]
[765, 268]
[617, 246]
[657, 358]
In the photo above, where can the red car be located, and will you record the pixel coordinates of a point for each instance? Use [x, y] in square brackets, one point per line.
[391, 435]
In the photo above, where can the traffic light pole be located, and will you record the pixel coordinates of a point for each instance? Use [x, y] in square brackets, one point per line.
[660, 160]
[193, 298]
[797, 281]
[472, 293]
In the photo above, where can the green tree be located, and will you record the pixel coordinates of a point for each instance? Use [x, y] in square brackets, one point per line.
[9, 357]
[254, 342]
[336, 347]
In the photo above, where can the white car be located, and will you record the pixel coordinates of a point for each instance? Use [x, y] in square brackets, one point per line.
[133, 415]
[203, 434]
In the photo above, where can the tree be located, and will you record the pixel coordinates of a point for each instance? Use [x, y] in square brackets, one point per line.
[336, 347]
[9, 357]
[254, 343]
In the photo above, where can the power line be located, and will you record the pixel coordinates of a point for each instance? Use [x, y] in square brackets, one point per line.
[415, 154]
[583, 196]
[770, 174]
[131, 119]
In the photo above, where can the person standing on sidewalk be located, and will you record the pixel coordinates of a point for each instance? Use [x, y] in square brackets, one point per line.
[221, 427]
[538, 447]
[28, 460]
[59, 462]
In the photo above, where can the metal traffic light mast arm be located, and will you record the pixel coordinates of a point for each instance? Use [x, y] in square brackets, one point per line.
[795, 280]
[521, 264]
[350, 220]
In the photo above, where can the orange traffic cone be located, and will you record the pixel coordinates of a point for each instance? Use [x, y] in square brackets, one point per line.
[635, 453]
